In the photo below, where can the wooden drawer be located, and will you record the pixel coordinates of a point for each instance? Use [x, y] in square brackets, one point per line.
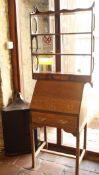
[68, 123]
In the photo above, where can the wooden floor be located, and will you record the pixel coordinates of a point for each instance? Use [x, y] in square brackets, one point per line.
[47, 164]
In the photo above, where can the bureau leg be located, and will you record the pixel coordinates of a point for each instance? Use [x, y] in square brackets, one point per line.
[85, 136]
[77, 153]
[45, 136]
[33, 148]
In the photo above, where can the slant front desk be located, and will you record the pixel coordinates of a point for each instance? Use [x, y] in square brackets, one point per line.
[61, 105]
[62, 63]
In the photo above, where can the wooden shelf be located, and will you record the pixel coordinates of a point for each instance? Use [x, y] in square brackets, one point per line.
[62, 77]
[58, 34]
[66, 11]
[67, 54]
[58, 39]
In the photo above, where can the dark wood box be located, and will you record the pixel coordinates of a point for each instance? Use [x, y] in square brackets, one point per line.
[16, 132]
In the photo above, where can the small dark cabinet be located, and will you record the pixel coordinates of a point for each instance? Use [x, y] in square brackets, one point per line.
[16, 132]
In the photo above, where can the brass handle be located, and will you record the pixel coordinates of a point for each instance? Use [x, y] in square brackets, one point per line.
[42, 119]
[63, 122]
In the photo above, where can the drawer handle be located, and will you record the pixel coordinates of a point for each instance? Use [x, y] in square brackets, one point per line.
[42, 119]
[63, 122]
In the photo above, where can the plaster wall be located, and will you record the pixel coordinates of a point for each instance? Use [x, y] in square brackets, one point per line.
[5, 63]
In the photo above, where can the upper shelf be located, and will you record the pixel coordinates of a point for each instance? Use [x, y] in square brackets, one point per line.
[67, 11]
[62, 44]
[62, 77]
[58, 34]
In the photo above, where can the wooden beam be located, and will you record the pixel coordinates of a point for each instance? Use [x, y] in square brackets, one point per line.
[13, 38]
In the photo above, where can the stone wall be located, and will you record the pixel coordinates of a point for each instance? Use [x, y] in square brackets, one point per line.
[5, 63]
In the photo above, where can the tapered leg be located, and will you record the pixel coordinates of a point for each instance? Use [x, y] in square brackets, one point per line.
[32, 146]
[45, 136]
[85, 136]
[77, 153]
